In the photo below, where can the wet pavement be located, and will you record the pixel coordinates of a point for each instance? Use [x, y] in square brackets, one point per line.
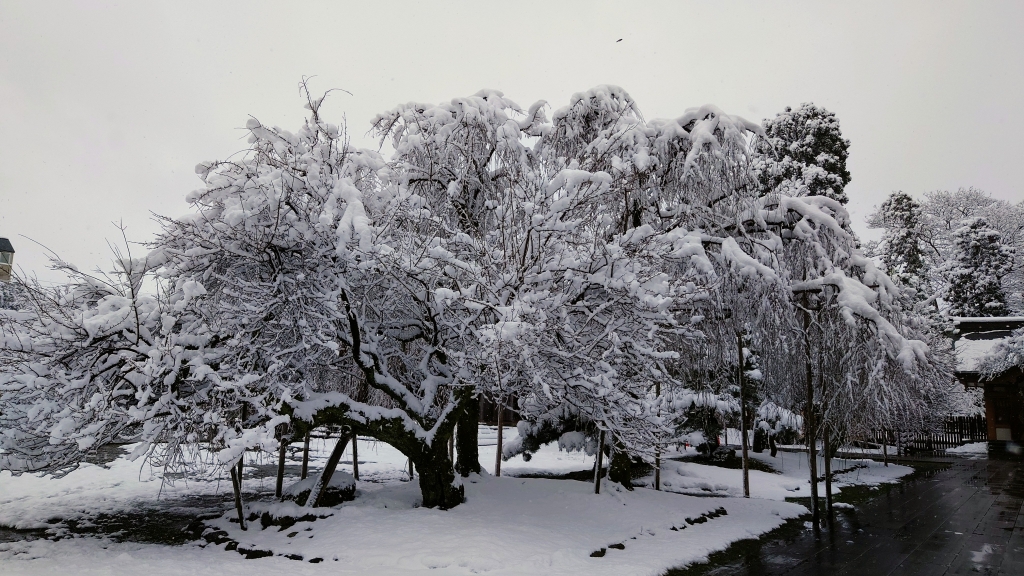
[952, 517]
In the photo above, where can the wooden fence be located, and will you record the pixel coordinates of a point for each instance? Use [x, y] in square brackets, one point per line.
[955, 431]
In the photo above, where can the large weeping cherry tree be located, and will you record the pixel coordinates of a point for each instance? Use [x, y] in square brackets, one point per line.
[863, 362]
[562, 306]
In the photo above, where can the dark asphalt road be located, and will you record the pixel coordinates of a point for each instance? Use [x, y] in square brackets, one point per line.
[962, 519]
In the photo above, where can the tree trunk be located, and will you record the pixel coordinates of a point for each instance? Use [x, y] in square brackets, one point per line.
[598, 463]
[236, 484]
[355, 456]
[621, 468]
[809, 424]
[324, 480]
[657, 469]
[438, 484]
[657, 449]
[885, 448]
[429, 460]
[280, 468]
[466, 439]
[743, 416]
[497, 455]
[305, 456]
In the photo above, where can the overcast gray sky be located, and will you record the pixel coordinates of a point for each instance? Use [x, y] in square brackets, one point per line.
[106, 107]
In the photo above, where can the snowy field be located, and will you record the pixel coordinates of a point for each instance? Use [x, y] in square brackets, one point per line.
[508, 525]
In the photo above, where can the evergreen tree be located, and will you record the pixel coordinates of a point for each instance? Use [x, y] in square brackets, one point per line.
[12, 295]
[976, 269]
[901, 249]
[803, 153]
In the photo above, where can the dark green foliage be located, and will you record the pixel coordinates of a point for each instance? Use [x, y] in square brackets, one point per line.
[979, 262]
[804, 154]
[901, 249]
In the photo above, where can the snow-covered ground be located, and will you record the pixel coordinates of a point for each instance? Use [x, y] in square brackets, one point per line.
[790, 480]
[508, 525]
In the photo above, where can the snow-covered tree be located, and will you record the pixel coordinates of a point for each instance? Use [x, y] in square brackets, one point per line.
[941, 214]
[902, 249]
[620, 278]
[1007, 355]
[12, 295]
[859, 356]
[72, 358]
[803, 153]
[976, 269]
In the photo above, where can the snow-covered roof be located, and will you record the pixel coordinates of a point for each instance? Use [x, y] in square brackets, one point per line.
[978, 337]
[988, 319]
[972, 348]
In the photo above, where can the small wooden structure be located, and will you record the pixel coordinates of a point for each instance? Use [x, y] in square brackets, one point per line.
[6, 260]
[974, 339]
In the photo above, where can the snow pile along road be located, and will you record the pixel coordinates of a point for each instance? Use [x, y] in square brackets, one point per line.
[975, 449]
[790, 479]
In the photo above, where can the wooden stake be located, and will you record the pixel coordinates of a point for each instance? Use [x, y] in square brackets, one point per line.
[497, 455]
[657, 449]
[355, 456]
[743, 415]
[324, 480]
[828, 472]
[236, 484]
[305, 456]
[597, 465]
[809, 426]
[280, 468]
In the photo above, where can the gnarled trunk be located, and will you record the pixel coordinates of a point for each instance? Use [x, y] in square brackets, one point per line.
[621, 468]
[438, 484]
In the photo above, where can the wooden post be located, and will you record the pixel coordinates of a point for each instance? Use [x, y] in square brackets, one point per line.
[412, 471]
[597, 464]
[657, 468]
[497, 455]
[355, 456]
[305, 456]
[743, 415]
[280, 468]
[885, 447]
[236, 484]
[809, 424]
[828, 471]
[657, 449]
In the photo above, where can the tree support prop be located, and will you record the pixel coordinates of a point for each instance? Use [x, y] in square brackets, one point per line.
[324, 480]
[236, 484]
